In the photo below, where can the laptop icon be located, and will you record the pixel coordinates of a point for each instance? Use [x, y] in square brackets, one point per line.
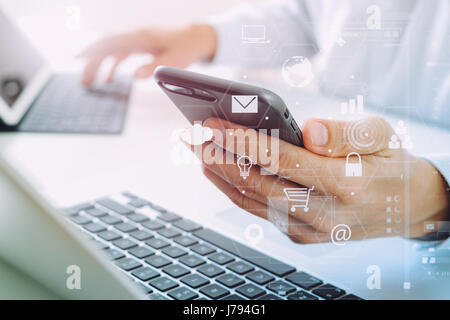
[254, 33]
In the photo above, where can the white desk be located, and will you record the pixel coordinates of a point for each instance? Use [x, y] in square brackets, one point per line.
[74, 168]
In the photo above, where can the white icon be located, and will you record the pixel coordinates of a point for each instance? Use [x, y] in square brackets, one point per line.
[373, 22]
[197, 135]
[244, 104]
[401, 129]
[388, 230]
[406, 285]
[74, 279]
[353, 169]
[429, 226]
[432, 260]
[353, 106]
[388, 209]
[374, 280]
[388, 220]
[254, 233]
[297, 71]
[244, 163]
[73, 18]
[340, 234]
[254, 33]
[340, 41]
[299, 195]
[394, 143]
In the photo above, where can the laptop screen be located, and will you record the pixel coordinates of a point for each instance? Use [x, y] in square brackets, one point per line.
[20, 65]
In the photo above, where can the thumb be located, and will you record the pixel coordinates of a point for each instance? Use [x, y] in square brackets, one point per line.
[337, 138]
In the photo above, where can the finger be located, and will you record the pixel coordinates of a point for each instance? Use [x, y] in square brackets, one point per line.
[117, 61]
[335, 138]
[254, 207]
[91, 69]
[275, 155]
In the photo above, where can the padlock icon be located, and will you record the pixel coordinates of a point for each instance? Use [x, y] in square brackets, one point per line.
[353, 169]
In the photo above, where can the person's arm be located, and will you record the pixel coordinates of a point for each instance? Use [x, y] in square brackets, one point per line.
[275, 23]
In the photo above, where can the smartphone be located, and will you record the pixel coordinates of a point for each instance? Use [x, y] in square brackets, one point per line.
[200, 97]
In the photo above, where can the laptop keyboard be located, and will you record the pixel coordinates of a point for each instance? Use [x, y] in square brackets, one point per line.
[64, 106]
[170, 257]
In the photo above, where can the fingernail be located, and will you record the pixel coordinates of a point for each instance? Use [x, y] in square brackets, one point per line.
[318, 133]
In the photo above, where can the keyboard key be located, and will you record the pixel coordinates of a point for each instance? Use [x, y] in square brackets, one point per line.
[221, 258]
[156, 296]
[101, 245]
[158, 208]
[96, 212]
[153, 225]
[187, 225]
[304, 280]
[174, 252]
[163, 284]
[182, 293]
[203, 249]
[125, 227]
[255, 257]
[141, 252]
[145, 273]
[240, 267]
[76, 209]
[146, 289]
[230, 280]
[141, 235]
[233, 297]
[329, 292]
[260, 277]
[194, 280]
[192, 261]
[169, 233]
[301, 295]
[114, 206]
[157, 243]
[269, 296]
[176, 271]
[138, 203]
[169, 217]
[111, 220]
[185, 241]
[109, 235]
[210, 270]
[94, 227]
[214, 291]
[128, 264]
[138, 217]
[114, 254]
[158, 261]
[350, 297]
[80, 219]
[125, 244]
[280, 287]
[250, 291]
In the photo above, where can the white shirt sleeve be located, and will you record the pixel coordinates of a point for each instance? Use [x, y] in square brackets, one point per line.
[249, 35]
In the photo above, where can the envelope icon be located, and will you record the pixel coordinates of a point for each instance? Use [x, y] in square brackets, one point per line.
[244, 104]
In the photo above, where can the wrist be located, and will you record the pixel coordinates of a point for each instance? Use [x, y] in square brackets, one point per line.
[205, 39]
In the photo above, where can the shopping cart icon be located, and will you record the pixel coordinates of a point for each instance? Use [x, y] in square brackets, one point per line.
[300, 196]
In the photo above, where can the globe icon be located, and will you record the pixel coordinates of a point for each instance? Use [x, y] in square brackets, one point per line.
[297, 71]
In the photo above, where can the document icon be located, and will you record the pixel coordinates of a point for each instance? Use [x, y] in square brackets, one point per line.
[244, 104]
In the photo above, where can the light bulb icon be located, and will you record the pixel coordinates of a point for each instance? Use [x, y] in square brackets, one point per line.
[244, 163]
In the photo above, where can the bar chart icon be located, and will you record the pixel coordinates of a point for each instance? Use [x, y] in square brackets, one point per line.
[353, 106]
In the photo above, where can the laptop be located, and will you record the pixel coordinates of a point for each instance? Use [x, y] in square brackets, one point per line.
[126, 247]
[34, 99]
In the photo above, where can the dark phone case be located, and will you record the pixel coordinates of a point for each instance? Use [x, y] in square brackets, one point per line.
[200, 97]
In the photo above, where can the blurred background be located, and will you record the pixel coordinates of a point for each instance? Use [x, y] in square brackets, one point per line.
[70, 25]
